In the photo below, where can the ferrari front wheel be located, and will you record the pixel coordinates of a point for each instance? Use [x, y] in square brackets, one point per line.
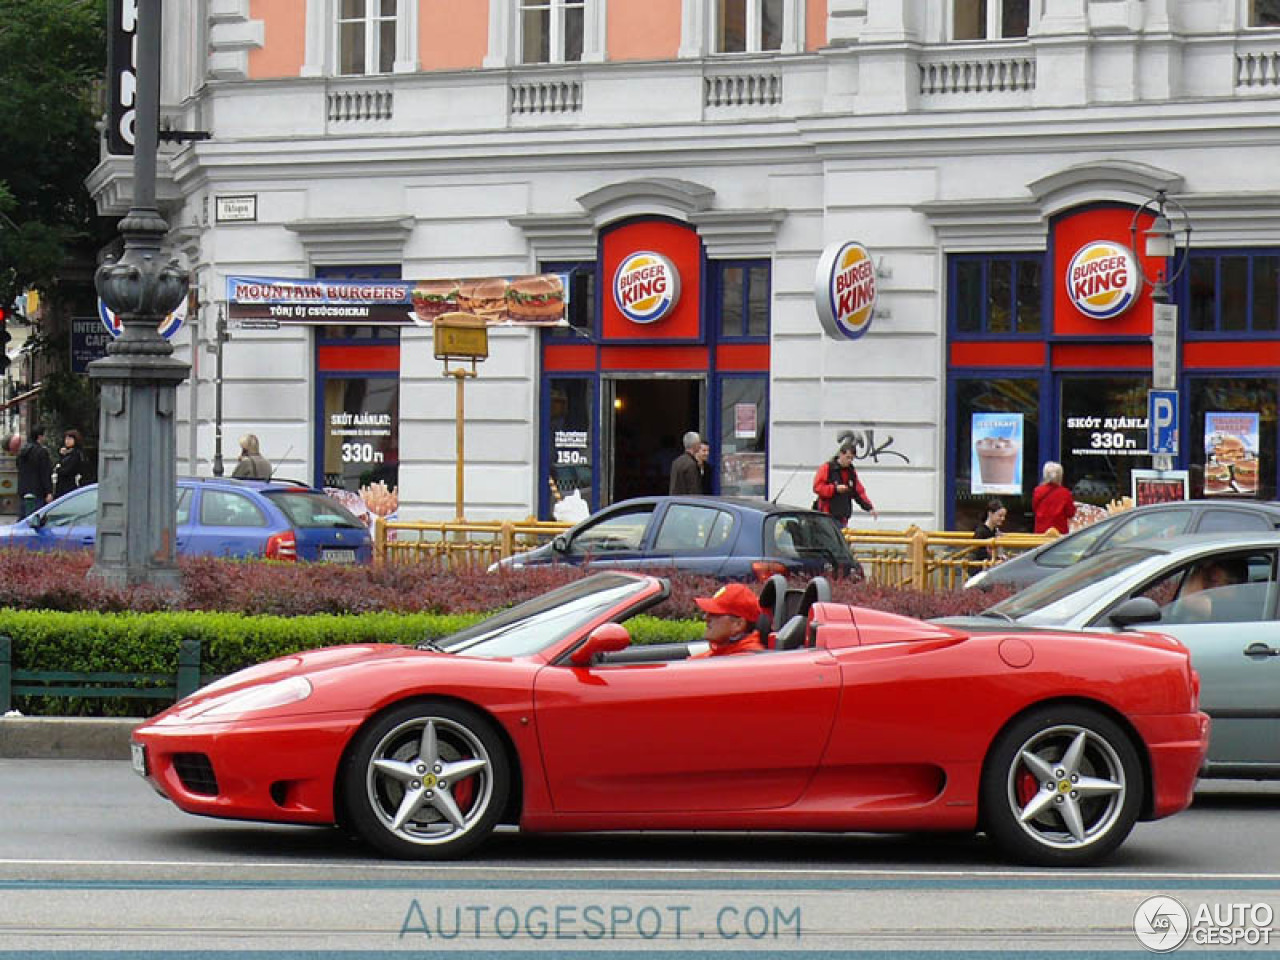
[1062, 786]
[426, 781]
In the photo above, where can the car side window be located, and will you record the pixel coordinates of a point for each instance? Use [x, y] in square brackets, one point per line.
[223, 508]
[1150, 526]
[75, 511]
[690, 527]
[1231, 588]
[1213, 521]
[615, 533]
[184, 506]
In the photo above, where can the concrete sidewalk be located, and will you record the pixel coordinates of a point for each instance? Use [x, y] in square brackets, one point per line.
[66, 738]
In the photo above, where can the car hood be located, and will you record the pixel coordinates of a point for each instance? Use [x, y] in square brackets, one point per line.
[309, 664]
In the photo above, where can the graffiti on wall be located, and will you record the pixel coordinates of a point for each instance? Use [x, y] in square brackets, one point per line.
[867, 446]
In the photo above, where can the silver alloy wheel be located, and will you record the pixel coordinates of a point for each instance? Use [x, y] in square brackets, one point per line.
[417, 772]
[1079, 787]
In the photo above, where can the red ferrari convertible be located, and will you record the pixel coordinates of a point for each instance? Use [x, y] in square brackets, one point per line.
[546, 716]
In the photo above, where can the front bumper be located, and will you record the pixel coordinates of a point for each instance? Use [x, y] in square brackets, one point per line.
[279, 770]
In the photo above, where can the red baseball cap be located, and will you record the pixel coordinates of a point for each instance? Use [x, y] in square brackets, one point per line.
[735, 599]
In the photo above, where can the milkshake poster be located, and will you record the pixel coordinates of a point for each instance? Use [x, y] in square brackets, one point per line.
[1231, 454]
[997, 453]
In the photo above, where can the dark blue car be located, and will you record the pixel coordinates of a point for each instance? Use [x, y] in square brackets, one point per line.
[276, 520]
[720, 537]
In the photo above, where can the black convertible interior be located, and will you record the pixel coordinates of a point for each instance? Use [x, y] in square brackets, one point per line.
[783, 624]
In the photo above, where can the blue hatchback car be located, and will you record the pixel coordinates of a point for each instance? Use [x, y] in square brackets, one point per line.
[272, 519]
[726, 537]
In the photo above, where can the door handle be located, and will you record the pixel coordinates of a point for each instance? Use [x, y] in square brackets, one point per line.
[1260, 650]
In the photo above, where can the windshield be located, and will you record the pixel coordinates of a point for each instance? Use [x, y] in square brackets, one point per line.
[1066, 582]
[543, 621]
[308, 510]
[1071, 548]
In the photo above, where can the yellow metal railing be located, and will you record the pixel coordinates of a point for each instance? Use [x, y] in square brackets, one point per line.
[913, 558]
[458, 543]
[931, 559]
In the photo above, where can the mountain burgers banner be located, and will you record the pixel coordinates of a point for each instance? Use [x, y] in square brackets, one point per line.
[537, 300]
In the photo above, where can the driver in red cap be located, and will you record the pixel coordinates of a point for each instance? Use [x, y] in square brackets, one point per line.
[731, 614]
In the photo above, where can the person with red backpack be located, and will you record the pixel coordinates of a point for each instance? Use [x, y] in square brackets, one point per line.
[837, 485]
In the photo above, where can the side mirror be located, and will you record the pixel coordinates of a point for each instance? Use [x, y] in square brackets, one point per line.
[36, 521]
[1135, 610]
[560, 544]
[605, 638]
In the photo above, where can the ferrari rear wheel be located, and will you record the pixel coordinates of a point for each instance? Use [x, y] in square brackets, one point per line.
[426, 781]
[1062, 787]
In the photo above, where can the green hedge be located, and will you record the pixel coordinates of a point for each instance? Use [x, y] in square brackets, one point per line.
[148, 642]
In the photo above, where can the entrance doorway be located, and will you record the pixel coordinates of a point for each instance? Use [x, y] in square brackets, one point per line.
[644, 422]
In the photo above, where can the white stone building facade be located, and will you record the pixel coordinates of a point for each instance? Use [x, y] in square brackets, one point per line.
[955, 140]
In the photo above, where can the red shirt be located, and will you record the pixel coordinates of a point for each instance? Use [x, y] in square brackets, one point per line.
[747, 643]
[1053, 506]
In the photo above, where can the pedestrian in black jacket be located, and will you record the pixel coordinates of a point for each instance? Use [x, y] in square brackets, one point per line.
[838, 488]
[35, 473]
[73, 464]
[686, 476]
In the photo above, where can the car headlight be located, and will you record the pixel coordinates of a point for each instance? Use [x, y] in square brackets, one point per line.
[277, 694]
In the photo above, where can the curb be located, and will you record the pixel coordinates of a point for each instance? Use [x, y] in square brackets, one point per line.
[66, 738]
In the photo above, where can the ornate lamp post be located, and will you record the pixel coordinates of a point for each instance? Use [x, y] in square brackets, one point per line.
[1160, 241]
[139, 376]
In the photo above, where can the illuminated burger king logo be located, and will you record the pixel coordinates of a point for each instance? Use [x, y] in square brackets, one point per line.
[844, 290]
[1102, 280]
[646, 287]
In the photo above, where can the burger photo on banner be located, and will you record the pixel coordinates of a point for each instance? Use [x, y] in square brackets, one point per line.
[533, 300]
[1231, 454]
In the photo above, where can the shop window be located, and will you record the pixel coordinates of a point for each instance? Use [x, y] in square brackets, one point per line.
[979, 400]
[581, 308]
[1231, 447]
[1000, 294]
[748, 26]
[990, 19]
[742, 294]
[1102, 435]
[1233, 292]
[1264, 13]
[744, 419]
[570, 446]
[551, 31]
[366, 36]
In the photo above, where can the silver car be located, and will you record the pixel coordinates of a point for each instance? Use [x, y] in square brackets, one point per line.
[1215, 593]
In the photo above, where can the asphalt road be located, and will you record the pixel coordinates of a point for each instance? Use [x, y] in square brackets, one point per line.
[92, 859]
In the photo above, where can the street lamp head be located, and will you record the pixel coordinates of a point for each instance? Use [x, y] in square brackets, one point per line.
[1159, 241]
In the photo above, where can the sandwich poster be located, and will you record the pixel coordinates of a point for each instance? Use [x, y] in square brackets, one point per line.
[996, 464]
[269, 302]
[1231, 454]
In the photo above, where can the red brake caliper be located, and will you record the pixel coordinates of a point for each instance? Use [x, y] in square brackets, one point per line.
[464, 792]
[1026, 786]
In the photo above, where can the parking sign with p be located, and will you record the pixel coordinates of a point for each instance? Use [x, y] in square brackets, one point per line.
[1162, 422]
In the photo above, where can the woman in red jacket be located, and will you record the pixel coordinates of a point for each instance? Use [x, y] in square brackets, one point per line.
[1052, 502]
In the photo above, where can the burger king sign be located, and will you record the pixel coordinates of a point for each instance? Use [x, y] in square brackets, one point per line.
[1102, 279]
[844, 290]
[646, 287]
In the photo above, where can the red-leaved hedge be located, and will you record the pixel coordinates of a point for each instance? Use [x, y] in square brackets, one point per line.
[61, 581]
